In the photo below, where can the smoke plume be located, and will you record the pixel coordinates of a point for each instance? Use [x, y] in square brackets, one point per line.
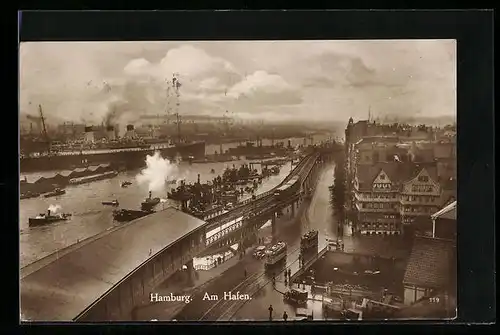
[54, 208]
[158, 170]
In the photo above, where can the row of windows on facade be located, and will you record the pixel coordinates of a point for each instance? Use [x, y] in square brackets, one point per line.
[385, 216]
[375, 205]
[378, 225]
[420, 209]
[396, 196]
[414, 188]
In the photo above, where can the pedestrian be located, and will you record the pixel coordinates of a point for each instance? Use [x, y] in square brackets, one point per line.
[285, 316]
[270, 309]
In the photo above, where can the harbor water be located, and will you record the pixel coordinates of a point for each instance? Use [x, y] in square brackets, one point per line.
[90, 217]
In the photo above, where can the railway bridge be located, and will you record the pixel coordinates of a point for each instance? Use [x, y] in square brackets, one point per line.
[104, 277]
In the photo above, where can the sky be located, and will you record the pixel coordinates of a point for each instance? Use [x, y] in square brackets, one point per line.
[265, 80]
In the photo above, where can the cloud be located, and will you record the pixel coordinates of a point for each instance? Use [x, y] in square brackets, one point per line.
[319, 80]
[262, 88]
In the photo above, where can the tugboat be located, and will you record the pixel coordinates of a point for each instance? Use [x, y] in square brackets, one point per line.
[126, 183]
[149, 203]
[126, 215]
[55, 193]
[111, 203]
[44, 219]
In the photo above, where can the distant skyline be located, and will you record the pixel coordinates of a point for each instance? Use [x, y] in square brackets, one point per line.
[269, 80]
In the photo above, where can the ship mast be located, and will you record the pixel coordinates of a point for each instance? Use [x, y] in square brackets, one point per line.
[176, 85]
[44, 129]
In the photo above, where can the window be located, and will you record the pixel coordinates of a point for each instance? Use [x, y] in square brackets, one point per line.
[382, 176]
[423, 179]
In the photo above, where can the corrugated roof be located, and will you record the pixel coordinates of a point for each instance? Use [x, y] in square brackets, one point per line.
[62, 289]
[430, 262]
[449, 212]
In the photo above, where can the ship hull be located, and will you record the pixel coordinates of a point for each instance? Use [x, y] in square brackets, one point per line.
[33, 222]
[129, 159]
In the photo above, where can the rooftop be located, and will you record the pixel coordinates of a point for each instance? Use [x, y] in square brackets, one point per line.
[430, 262]
[62, 289]
[449, 212]
[380, 246]
[397, 172]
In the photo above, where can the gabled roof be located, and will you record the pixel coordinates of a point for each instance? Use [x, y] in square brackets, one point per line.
[449, 212]
[430, 262]
[397, 172]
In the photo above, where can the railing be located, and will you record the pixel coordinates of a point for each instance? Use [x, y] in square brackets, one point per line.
[240, 224]
[308, 264]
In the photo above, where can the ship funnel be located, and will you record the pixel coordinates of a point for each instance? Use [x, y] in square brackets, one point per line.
[110, 133]
[48, 212]
[89, 134]
[130, 131]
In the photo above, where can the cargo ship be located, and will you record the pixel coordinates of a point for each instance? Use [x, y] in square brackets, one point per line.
[44, 219]
[130, 158]
[252, 151]
[276, 254]
[309, 240]
[127, 152]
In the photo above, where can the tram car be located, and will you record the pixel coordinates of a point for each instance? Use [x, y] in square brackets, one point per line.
[275, 254]
[309, 240]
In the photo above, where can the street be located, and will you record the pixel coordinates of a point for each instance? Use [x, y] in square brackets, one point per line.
[313, 214]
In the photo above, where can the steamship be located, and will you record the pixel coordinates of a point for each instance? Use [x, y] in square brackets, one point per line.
[128, 153]
[43, 219]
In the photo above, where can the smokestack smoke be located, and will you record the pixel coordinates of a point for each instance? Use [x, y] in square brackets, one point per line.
[158, 170]
[54, 208]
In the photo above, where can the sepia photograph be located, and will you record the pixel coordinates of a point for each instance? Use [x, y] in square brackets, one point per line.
[276, 181]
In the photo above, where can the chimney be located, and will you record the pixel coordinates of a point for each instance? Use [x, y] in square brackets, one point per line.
[110, 133]
[198, 178]
[289, 143]
[89, 134]
[150, 194]
[48, 212]
[130, 131]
